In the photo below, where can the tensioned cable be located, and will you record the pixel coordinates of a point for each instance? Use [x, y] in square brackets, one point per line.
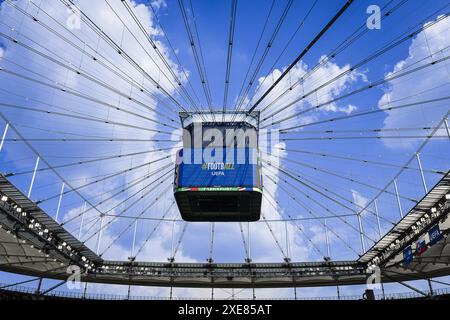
[211, 243]
[272, 68]
[117, 71]
[299, 179]
[108, 223]
[365, 113]
[86, 118]
[180, 239]
[67, 183]
[123, 190]
[174, 52]
[327, 190]
[318, 202]
[148, 37]
[335, 174]
[302, 54]
[194, 22]
[147, 239]
[315, 247]
[83, 51]
[104, 178]
[419, 149]
[83, 96]
[392, 76]
[270, 220]
[360, 130]
[274, 237]
[92, 25]
[389, 46]
[89, 140]
[156, 199]
[229, 53]
[244, 242]
[256, 49]
[197, 54]
[59, 132]
[129, 186]
[89, 77]
[265, 54]
[86, 162]
[310, 212]
[343, 45]
[360, 137]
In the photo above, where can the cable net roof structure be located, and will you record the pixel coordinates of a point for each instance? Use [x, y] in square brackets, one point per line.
[353, 137]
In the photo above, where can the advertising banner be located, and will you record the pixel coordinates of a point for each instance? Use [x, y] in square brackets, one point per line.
[434, 234]
[218, 174]
[407, 255]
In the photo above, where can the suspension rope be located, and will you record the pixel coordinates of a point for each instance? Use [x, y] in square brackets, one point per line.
[174, 52]
[186, 96]
[332, 55]
[366, 60]
[126, 209]
[365, 113]
[43, 159]
[87, 97]
[122, 191]
[240, 96]
[156, 199]
[198, 56]
[107, 177]
[286, 258]
[265, 53]
[333, 173]
[302, 54]
[299, 179]
[118, 48]
[116, 70]
[180, 239]
[272, 68]
[229, 53]
[393, 76]
[407, 163]
[244, 243]
[318, 202]
[275, 207]
[154, 230]
[120, 156]
[310, 212]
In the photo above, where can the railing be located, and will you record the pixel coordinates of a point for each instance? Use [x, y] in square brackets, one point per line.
[101, 296]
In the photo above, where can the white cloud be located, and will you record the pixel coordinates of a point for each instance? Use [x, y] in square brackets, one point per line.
[327, 70]
[359, 200]
[349, 109]
[109, 23]
[430, 83]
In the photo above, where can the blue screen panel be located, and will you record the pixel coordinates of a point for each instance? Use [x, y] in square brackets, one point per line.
[210, 174]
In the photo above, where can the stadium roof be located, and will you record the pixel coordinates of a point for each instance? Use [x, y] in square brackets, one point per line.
[23, 251]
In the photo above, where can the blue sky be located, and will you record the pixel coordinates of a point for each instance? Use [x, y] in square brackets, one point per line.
[212, 19]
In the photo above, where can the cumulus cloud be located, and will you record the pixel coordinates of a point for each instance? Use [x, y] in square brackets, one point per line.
[309, 81]
[429, 83]
[33, 34]
[359, 200]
